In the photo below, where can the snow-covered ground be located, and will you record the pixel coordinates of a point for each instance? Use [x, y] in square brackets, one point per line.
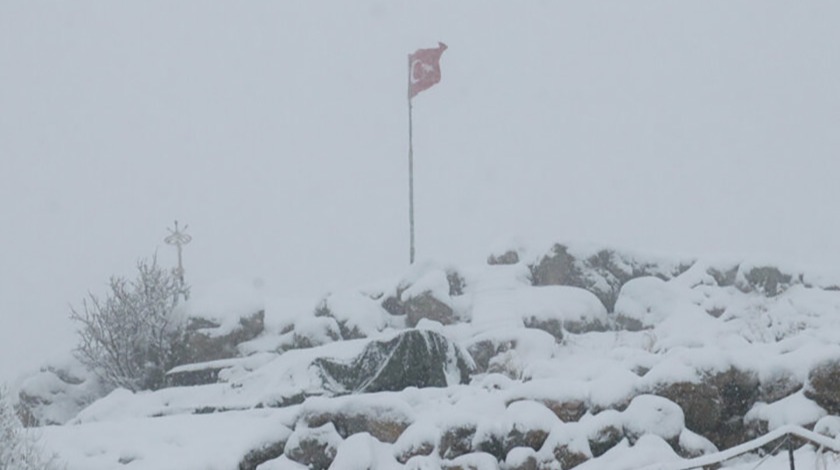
[576, 356]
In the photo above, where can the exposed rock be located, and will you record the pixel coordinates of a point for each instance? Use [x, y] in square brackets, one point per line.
[568, 411]
[357, 315]
[552, 326]
[521, 458]
[57, 394]
[715, 407]
[485, 350]
[602, 273]
[456, 441]
[208, 340]
[602, 440]
[766, 280]
[724, 277]
[315, 331]
[427, 306]
[567, 445]
[508, 257]
[824, 385]
[267, 452]
[457, 283]
[419, 439]
[778, 387]
[413, 358]
[191, 377]
[316, 448]
[385, 421]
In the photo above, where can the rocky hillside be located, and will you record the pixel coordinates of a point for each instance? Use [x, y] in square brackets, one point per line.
[570, 357]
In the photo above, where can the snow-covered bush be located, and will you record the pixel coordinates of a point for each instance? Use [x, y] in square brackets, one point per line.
[18, 449]
[132, 336]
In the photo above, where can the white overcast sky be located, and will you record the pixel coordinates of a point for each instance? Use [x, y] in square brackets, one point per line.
[278, 131]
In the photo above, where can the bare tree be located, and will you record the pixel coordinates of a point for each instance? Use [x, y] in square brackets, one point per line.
[19, 449]
[132, 336]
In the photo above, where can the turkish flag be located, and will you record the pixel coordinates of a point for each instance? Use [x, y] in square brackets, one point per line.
[424, 69]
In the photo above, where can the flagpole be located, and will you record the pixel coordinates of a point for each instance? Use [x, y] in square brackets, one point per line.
[410, 168]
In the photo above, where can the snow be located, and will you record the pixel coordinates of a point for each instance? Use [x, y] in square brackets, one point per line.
[212, 442]
[794, 409]
[691, 329]
[650, 414]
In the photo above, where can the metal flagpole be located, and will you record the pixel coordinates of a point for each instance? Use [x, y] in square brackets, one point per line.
[410, 169]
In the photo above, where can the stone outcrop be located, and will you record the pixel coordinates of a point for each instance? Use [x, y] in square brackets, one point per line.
[413, 358]
[602, 273]
[209, 340]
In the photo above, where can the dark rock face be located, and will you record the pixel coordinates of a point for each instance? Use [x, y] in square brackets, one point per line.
[766, 280]
[256, 457]
[715, 407]
[427, 306]
[314, 448]
[824, 386]
[201, 345]
[55, 395]
[484, 351]
[189, 378]
[508, 257]
[385, 425]
[603, 274]
[414, 358]
[603, 440]
[456, 441]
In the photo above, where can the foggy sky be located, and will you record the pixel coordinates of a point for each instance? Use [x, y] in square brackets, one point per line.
[278, 132]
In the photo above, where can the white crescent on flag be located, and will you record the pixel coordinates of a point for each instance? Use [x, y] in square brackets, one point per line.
[424, 69]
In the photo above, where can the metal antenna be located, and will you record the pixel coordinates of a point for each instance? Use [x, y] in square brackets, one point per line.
[179, 238]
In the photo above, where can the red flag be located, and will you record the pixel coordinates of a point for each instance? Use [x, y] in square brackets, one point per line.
[424, 69]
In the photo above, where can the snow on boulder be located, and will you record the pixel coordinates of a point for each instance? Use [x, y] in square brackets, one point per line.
[646, 302]
[794, 409]
[510, 351]
[522, 458]
[553, 309]
[313, 447]
[420, 438]
[412, 358]
[363, 452]
[824, 385]
[428, 292]
[382, 416]
[310, 332]
[357, 315]
[650, 414]
[769, 281]
[209, 339]
[474, 461]
[57, 394]
[567, 445]
[715, 403]
[523, 424]
[600, 271]
[220, 318]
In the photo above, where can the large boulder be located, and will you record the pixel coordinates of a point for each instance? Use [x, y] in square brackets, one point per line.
[715, 406]
[413, 358]
[313, 447]
[601, 272]
[210, 339]
[57, 393]
[824, 385]
[428, 296]
[384, 418]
